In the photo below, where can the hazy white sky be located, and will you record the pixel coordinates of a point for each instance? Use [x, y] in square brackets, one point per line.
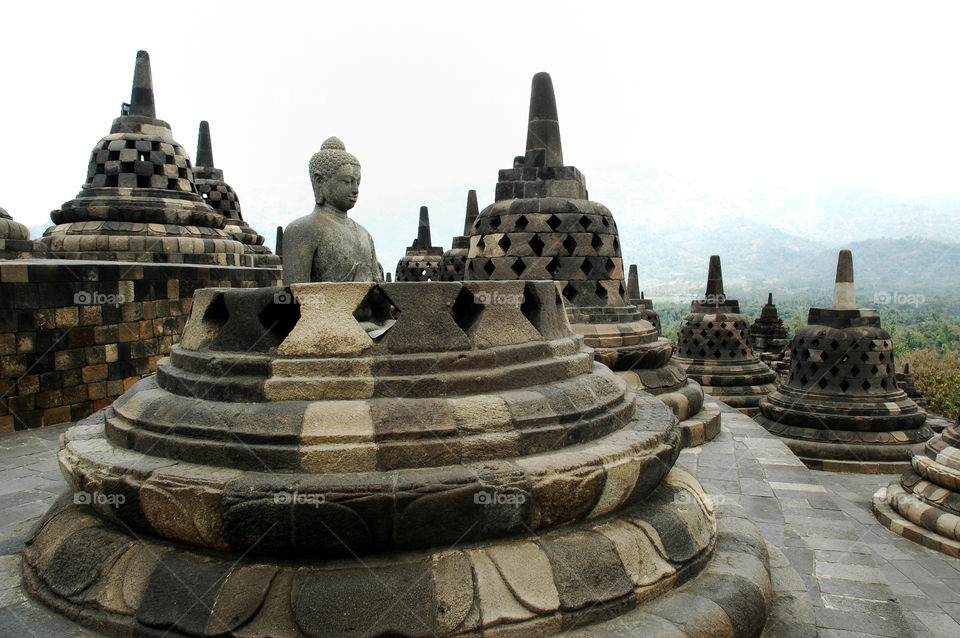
[432, 97]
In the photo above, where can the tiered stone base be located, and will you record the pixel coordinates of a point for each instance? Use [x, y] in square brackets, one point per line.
[109, 579]
[633, 349]
[924, 505]
[739, 384]
[866, 435]
[142, 225]
[15, 240]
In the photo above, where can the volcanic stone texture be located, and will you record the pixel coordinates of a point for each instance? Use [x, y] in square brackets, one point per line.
[713, 346]
[474, 454]
[75, 335]
[140, 202]
[924, 505]
[14, 239]
[840, 408]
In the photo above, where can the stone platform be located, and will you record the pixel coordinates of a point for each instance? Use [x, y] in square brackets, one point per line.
[861, 579]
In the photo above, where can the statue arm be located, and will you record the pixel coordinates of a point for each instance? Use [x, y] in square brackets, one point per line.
[297, 256]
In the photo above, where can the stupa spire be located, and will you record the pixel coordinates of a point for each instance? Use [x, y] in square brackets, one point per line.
[715, 281]
[473, 209]
[844, 294]
[543, 125]
[769, 298]
[204, 146]
[423, 229]
[633, 283]
[141, 97]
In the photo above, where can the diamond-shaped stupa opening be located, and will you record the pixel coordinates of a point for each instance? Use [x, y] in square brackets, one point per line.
[466, 310]
[376, 309]
[278, 319]
[536, 245]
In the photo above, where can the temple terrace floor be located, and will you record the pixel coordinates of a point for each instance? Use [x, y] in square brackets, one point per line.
[862, 579]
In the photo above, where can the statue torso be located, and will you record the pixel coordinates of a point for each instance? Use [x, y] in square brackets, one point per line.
[344, 250]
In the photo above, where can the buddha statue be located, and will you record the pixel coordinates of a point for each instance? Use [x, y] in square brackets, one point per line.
[326, 245]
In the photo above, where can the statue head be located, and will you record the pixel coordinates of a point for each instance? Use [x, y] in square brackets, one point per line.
[335, 175]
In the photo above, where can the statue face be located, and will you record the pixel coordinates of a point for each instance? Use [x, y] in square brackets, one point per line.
[341, 190]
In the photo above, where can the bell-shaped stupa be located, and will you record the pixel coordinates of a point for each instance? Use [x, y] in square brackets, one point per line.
[713, 345]
[220, 196]
[543, 226]
[422, 259]
[14, 238]
[840, 408]
[454, 261]
[140, 201]
[768, 335]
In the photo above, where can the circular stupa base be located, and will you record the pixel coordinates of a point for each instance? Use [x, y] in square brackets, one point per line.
[924, 505]
[699, 421]
[739, 384]
[106, 577]
[843, 450]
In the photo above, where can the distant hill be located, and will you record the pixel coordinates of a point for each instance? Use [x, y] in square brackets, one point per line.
[757, 258]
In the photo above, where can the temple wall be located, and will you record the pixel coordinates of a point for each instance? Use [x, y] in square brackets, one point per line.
[74, 335]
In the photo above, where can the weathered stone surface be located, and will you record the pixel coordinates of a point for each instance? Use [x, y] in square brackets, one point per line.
[140, 201]
[422, 261]
[326, 245]
[221, 197]
[840, 407]
[713, 347]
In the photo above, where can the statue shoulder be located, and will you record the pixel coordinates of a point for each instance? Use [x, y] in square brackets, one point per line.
[304, 227]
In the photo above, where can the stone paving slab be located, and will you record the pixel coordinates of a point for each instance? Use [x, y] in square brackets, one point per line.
[862, 579]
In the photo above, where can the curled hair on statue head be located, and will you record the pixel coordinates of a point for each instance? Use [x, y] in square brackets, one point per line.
[327, 161]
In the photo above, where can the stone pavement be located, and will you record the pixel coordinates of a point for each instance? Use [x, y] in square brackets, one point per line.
[862, 579]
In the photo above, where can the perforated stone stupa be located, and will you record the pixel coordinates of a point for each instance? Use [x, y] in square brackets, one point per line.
[840, 408]
[468, 471]
[422, 259]
[14, 238]
[222, 198]
[713, 346]
[140, 201]
[768, 335]
[454, 261]
[543, 226]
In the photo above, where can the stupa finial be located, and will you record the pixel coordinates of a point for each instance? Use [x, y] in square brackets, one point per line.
[423, 229]
[473, 209]
[543, 127]
[844, 294]
[769, 298]
[633, 283]
[715, 281]
[141, 97]
[204, 146]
